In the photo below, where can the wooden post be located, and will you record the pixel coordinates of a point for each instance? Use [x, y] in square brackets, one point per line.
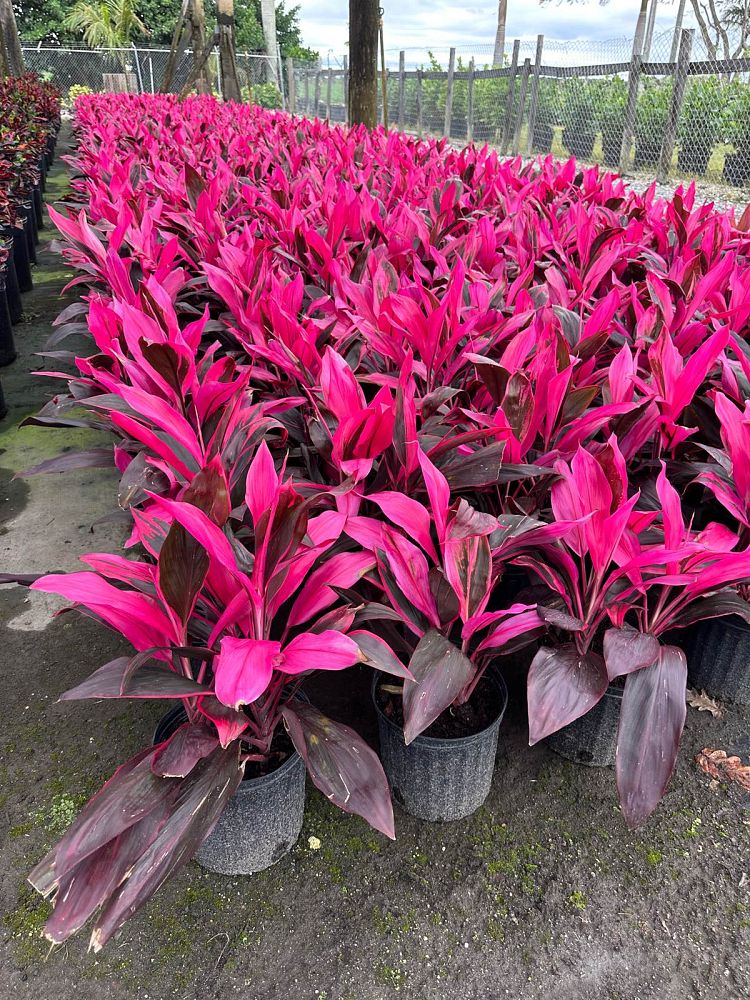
[329, 86]
[677, 31]
[197, 21]
[346, 90]
[307, 91]
[199, 63]
[291, 89]
[418, 96]
[316, 98]
[525, 73]
[507, 124]
[230, 86]
[364, 20]
[401, 90]
[9, 39]
[534, 92]
[449, 94]
[628, 125]
[383, 72]
[678, 93]
[175, 49]
[470, 103]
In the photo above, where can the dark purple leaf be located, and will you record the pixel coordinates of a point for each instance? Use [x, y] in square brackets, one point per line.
[376, 653]
[185, 747]
[182, 568]
[562, 686]
[345, 769]
[441, 672]
[627, 650]
[148, 681]
[559, 619]
[651, 720]
[93, 458]
[726, 602]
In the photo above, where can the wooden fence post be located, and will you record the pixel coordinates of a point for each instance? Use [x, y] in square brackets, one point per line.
[628, 125]
[470, 104]
[678, 94]
[291, 92]
[329, 86]
[449, 94]
[307, 91]
[316, 98]
[346, 90]
[525, 74]
[418, 96]
[511, 94]
[534, 93]
[401, 92]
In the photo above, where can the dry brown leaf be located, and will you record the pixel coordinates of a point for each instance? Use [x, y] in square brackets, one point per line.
[716, 764]
[701, 701]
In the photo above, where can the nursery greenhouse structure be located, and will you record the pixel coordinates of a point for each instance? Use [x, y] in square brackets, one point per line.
[375, 548]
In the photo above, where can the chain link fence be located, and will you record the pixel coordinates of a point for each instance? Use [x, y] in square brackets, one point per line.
[677, 111]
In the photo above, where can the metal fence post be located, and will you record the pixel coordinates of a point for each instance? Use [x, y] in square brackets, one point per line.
[511, 94]
[329, 86]
[290, 85]
[525, 73]
[401, 91]
[449, 93]
[470, 103]
[678, 94]
[418, 97]
[628, 125]
[534, 93]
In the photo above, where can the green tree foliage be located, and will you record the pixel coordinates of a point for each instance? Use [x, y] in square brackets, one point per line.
[105, 23]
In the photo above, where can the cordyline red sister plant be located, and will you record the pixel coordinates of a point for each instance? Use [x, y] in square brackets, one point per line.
[620, 583]
[230, 622]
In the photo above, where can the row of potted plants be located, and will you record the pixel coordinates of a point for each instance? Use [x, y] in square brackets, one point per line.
[29, 120]
[379, 401]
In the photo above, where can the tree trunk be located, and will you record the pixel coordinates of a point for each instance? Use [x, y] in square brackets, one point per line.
[502, 17]
[364, 20]
[11, 41]
[198, 42]
[230, 87]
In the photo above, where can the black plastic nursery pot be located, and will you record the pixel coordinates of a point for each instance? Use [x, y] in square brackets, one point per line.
[7, 344]
[693, 159]
[718, 655]
[436, 778]
[38, 207]
[647, 153]
[15, 306]
[737, 168]
[611, 147]
[26, 213]
[578, 142]
[260, 823]
[21, 260]
[541, 138]
[592, 739]
[3, 407]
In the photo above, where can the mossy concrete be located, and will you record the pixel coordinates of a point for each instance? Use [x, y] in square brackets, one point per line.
[541, 895]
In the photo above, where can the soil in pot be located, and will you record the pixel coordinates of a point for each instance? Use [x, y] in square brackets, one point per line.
[592, 739]
[446, 772]
[263, 819]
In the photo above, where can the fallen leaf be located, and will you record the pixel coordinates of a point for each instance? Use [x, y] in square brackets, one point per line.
[701, 701]
[717, 765]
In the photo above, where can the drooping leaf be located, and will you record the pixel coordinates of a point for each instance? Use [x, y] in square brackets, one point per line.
[376, 653]
[627, 650]
[562, 686]
[188, 744]
[651, 720]
[441, 672]
[345, 769]
[148, 681]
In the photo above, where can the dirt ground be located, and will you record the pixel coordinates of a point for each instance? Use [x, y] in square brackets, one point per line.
[542, 895]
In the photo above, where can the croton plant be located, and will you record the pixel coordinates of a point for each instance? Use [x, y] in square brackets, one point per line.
[354, 379]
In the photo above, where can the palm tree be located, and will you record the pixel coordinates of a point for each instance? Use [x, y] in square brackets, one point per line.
[106, 24]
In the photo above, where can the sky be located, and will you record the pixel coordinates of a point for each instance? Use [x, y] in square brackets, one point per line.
[438, 24]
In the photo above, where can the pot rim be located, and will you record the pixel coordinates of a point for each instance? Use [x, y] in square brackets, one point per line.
[446, 742]
[178, 715]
